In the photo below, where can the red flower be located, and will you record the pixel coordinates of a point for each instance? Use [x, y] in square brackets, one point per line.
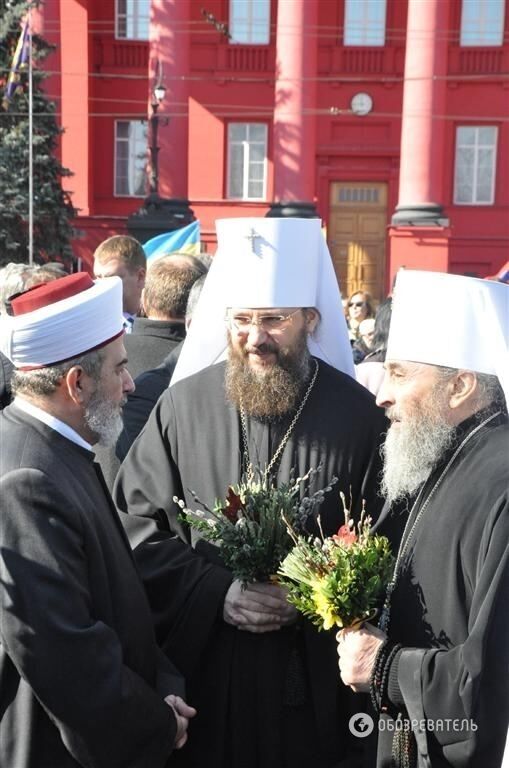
[233, 505]
[345, 536]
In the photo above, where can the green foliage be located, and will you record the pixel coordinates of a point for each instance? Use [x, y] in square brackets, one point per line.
[249, 526]
[52, 207]
[338, 581]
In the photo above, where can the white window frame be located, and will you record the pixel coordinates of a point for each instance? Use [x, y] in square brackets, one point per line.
[475, 170]
[246, 162]
[475, 29]
[131, 159]
[358, 34]
[136, 20]
[236, 6]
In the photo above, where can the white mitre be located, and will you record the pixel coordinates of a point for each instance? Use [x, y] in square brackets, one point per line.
[451, 320]
[267, 263]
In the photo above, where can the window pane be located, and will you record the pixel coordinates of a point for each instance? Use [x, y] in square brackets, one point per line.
[466, 135]
[257, 153]
[483, 192]
[485, 159]
[256, 171]
[257, 132]
[474, 173]
[237, 131]
[250, 21]
[364, 22]
[122, 130]
[130, 157]
[487, 135]
[133, 18]
[247, 161]
[482, 22]
[236, 170]
[255, 190]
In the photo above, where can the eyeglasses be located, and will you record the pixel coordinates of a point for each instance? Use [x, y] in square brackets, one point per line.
[268, 323]
[356, 303]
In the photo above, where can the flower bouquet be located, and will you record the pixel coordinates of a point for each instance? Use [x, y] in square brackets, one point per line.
[249, 525]
[338, 581]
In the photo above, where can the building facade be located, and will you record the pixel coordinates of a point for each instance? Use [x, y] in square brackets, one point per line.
[387, 118]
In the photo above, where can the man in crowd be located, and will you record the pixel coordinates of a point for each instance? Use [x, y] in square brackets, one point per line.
[16, 278]
[164, 299]
[83, 682]
[437, 665]
[150, 385]
[123, 256]
[283, 401]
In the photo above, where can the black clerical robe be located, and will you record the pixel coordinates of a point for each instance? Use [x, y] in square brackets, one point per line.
[82, 682]
[450, 608]
[265, 700]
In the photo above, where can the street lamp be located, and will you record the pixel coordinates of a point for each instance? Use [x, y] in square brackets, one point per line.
[157, 215]
[157, 97]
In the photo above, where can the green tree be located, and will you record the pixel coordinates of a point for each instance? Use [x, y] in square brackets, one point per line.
[51, 204]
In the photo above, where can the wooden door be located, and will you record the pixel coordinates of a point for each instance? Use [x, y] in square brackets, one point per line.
[356, 236]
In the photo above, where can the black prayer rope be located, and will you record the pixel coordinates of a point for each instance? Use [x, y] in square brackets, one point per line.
[379, 680]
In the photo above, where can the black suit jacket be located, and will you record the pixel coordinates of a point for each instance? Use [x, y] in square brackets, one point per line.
[150, 342]
[83, 681]
[149, 388]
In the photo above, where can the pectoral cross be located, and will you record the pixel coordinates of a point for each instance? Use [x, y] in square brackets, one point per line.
[252, 236]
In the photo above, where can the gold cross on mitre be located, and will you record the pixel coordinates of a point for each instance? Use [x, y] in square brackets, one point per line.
[252, 237]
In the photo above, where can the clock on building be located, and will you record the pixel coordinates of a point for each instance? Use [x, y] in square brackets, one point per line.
[361, 104]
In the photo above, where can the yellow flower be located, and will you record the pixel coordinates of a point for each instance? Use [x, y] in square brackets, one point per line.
[324, 609]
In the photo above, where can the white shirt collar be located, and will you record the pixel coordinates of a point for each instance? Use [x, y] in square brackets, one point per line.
[128, 322]
[59, 426]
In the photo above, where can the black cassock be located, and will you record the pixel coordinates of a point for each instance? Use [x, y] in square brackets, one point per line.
[82, 680]
[450, 609]
[265, 700]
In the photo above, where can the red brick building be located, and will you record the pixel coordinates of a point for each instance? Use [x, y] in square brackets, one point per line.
[389, 117]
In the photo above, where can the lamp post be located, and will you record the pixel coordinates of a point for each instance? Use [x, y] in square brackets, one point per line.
[157, 97]
[157, 215]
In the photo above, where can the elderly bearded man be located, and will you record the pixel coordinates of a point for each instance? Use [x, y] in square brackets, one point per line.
[266, 695]
[83, 682]
[439, 662]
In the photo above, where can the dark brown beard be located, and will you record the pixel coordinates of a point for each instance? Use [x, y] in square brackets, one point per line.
[270, 395]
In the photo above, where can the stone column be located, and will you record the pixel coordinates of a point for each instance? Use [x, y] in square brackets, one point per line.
[169, 40]
[169, 60]
[423, 128]
[294, 111]
[75, 120]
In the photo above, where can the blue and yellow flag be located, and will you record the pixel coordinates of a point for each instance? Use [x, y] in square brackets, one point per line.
[184, 240]
[19, 62]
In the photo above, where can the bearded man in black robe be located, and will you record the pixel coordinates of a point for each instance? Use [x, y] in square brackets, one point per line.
[437, 666]
[262, 680]
[83, 682]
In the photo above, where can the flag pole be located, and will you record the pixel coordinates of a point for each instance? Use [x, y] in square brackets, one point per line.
[30, 147]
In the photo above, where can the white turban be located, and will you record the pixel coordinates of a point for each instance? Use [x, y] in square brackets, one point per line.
[57, 321]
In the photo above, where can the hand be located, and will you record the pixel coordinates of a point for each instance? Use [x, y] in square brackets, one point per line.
[258, 607]
[357, 650]
[183, 712]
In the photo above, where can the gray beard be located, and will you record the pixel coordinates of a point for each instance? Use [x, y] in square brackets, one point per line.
[268, 396]
[412, 450]
[104, 419]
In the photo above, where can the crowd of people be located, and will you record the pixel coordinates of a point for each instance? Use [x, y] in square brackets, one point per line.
[125, 640]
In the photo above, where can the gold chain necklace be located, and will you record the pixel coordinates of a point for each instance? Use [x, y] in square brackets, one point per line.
[405, 539]
[286, 436]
